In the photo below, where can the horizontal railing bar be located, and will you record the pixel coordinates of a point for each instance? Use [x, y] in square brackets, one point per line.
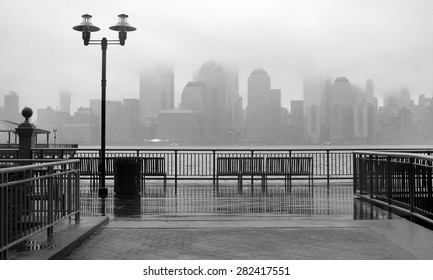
[395, 155]
[233, 149]
[30, 167]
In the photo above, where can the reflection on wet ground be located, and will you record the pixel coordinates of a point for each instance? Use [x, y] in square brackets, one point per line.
[320, 201]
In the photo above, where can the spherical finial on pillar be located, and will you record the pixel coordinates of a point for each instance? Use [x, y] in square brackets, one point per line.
[27, 113]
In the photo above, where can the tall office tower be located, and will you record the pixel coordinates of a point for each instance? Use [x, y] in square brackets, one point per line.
[360, 122]
[313, 90]
[341, 111]
[258, 118]
[405, 101]
[297, 120]
[65, 102]
[193, 97]
[369, 92]
[324, 111]
[156, 92]
[83, 128]
[46, 118]
[372, 107]
[314, 93]
[130, 123]
[313, 124]
[11, 107]
[275, 107]
[217, 117]
[233, 99]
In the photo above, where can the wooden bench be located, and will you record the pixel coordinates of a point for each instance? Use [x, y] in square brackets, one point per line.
[153, 166]
[150, 166]
[239, 167]
[288, 167]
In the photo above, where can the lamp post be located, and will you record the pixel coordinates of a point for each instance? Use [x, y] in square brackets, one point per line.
[86, 27]
[55, 135]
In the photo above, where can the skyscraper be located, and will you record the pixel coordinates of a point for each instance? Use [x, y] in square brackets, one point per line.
[65, 102]
[258, 118]
[297, 120]
[11, 107]
[156, 92]
[216, 117]
[341, 111]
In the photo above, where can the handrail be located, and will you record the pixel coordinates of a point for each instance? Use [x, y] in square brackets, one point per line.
[34, 197]
[399, 180]
[394, 154]
[28, 167]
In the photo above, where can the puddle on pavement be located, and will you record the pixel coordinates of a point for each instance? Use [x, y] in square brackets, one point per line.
[320, 201]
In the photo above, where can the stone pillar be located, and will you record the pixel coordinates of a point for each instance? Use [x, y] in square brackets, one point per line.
[27, 135]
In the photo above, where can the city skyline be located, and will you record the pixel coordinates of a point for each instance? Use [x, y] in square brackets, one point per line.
[387, 41]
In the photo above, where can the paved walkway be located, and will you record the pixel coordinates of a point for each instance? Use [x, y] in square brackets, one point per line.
[258, 237]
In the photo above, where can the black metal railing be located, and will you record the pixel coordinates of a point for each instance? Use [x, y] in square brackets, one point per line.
[398, 179]
[34, 197]
[200, 164]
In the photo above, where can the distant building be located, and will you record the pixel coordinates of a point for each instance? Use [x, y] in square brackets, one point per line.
[130, 123]
[83, 129]
[193, 97]
[178, 126]
[258, 119]
[313, 90]
[360, 117]
[341, 105]
[11, 107]
[217, 117]
[313, 124]
[156, 92]
[297, 121]
[65, 102]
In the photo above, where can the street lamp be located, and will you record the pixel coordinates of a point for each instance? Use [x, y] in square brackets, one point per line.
[86, 27]
[55, 135]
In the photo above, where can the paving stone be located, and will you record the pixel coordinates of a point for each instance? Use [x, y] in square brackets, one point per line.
[240, 243]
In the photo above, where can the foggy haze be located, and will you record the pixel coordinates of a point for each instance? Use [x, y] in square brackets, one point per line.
[388, 41]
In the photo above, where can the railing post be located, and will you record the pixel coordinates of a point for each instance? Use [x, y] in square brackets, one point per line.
[175, 172]
[214, 167]
[411, 178]
[77, 192]
[50, 208]
[429, 185]
[361, 169]
[3, 216]
[252, 176]
[370, 176]
[327, 169]
[355, 173]
[388, 179]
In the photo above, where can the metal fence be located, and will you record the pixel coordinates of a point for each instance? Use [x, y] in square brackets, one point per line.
[398, 179]
[34, 197]
[200, 164]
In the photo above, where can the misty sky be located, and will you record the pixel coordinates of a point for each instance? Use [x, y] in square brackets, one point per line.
[389, 41]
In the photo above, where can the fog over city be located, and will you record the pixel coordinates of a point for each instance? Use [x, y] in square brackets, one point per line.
[388, 41]
[224, 72]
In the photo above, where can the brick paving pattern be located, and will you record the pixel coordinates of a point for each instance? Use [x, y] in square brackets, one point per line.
[351, 243]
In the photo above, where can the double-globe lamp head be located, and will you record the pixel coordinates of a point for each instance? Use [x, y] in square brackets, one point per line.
[86, 27]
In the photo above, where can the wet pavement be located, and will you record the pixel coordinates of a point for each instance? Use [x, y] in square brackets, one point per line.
[196, 223]
[301, 225]
[258, 237]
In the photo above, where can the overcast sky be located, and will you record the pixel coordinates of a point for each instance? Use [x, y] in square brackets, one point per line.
[390, 41]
